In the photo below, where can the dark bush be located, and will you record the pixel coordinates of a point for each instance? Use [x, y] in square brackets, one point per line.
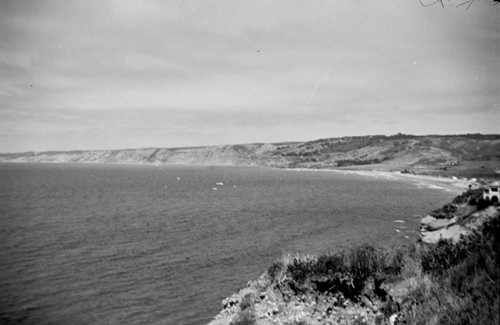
[329, 273]
[356, 162]
[483, 204]
[365, 261]
[476, 281]
[330, 263]
[473, 197]
[436, 258]
[301, 270]
[470, 196]
[345, 272]
[445, 212]
[466, 279]
[398, 260]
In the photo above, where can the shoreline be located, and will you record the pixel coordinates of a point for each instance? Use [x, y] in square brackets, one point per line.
[455, 185]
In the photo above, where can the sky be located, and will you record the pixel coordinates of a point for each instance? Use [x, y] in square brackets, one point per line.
[114, 74]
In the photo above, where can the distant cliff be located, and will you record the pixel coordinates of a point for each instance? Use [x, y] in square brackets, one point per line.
[470, 154]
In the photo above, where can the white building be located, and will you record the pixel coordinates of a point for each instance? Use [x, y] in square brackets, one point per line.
[491, 193]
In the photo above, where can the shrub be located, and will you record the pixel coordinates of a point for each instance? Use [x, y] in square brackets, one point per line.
[422, 305]
[398, 260]
[483, 204]
[445, 212]
[437, 258]
[299, 270]
[465, 281]
[327, 273]
[470, 196]
[330, 263]
[473, 197]
[345, 272]
[366, 260]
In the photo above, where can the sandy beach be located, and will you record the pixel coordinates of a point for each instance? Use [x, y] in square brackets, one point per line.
[454, 185]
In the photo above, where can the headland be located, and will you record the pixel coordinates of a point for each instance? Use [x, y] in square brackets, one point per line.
[460, 156]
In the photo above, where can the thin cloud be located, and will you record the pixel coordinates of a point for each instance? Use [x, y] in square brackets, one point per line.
[130, 73]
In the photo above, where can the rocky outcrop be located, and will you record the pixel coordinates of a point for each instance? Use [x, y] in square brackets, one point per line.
[461, 218]
[432, 229]
[268, 304]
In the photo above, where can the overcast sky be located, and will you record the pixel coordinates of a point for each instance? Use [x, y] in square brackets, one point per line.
[128, 74]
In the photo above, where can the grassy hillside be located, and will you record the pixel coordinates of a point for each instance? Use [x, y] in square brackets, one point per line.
[448, 155]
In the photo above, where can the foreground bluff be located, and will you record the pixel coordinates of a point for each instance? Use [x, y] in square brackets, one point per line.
[451, 276]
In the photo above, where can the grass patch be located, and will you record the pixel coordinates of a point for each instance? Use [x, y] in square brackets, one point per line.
[344, 272]
[463, 284]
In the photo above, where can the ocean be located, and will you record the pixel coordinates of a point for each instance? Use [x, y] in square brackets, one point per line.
[141, 244]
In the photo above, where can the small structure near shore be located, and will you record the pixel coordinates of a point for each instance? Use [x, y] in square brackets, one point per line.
[491, 193]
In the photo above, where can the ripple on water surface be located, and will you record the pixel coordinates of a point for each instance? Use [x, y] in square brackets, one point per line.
[100, 244]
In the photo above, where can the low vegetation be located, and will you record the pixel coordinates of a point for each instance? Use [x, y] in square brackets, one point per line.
[472, 200]
[343, 273]
[464, 285]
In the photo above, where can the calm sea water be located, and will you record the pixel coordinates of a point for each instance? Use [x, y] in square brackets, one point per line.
[116, 244]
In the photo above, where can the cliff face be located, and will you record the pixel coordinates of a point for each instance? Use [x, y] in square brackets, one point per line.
[464, 216]
[465, 155]
[216, 155]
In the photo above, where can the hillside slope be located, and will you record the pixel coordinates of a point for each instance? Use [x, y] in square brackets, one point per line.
[459, 155]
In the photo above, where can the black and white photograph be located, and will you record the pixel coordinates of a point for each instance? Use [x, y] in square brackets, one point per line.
[249, 162]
